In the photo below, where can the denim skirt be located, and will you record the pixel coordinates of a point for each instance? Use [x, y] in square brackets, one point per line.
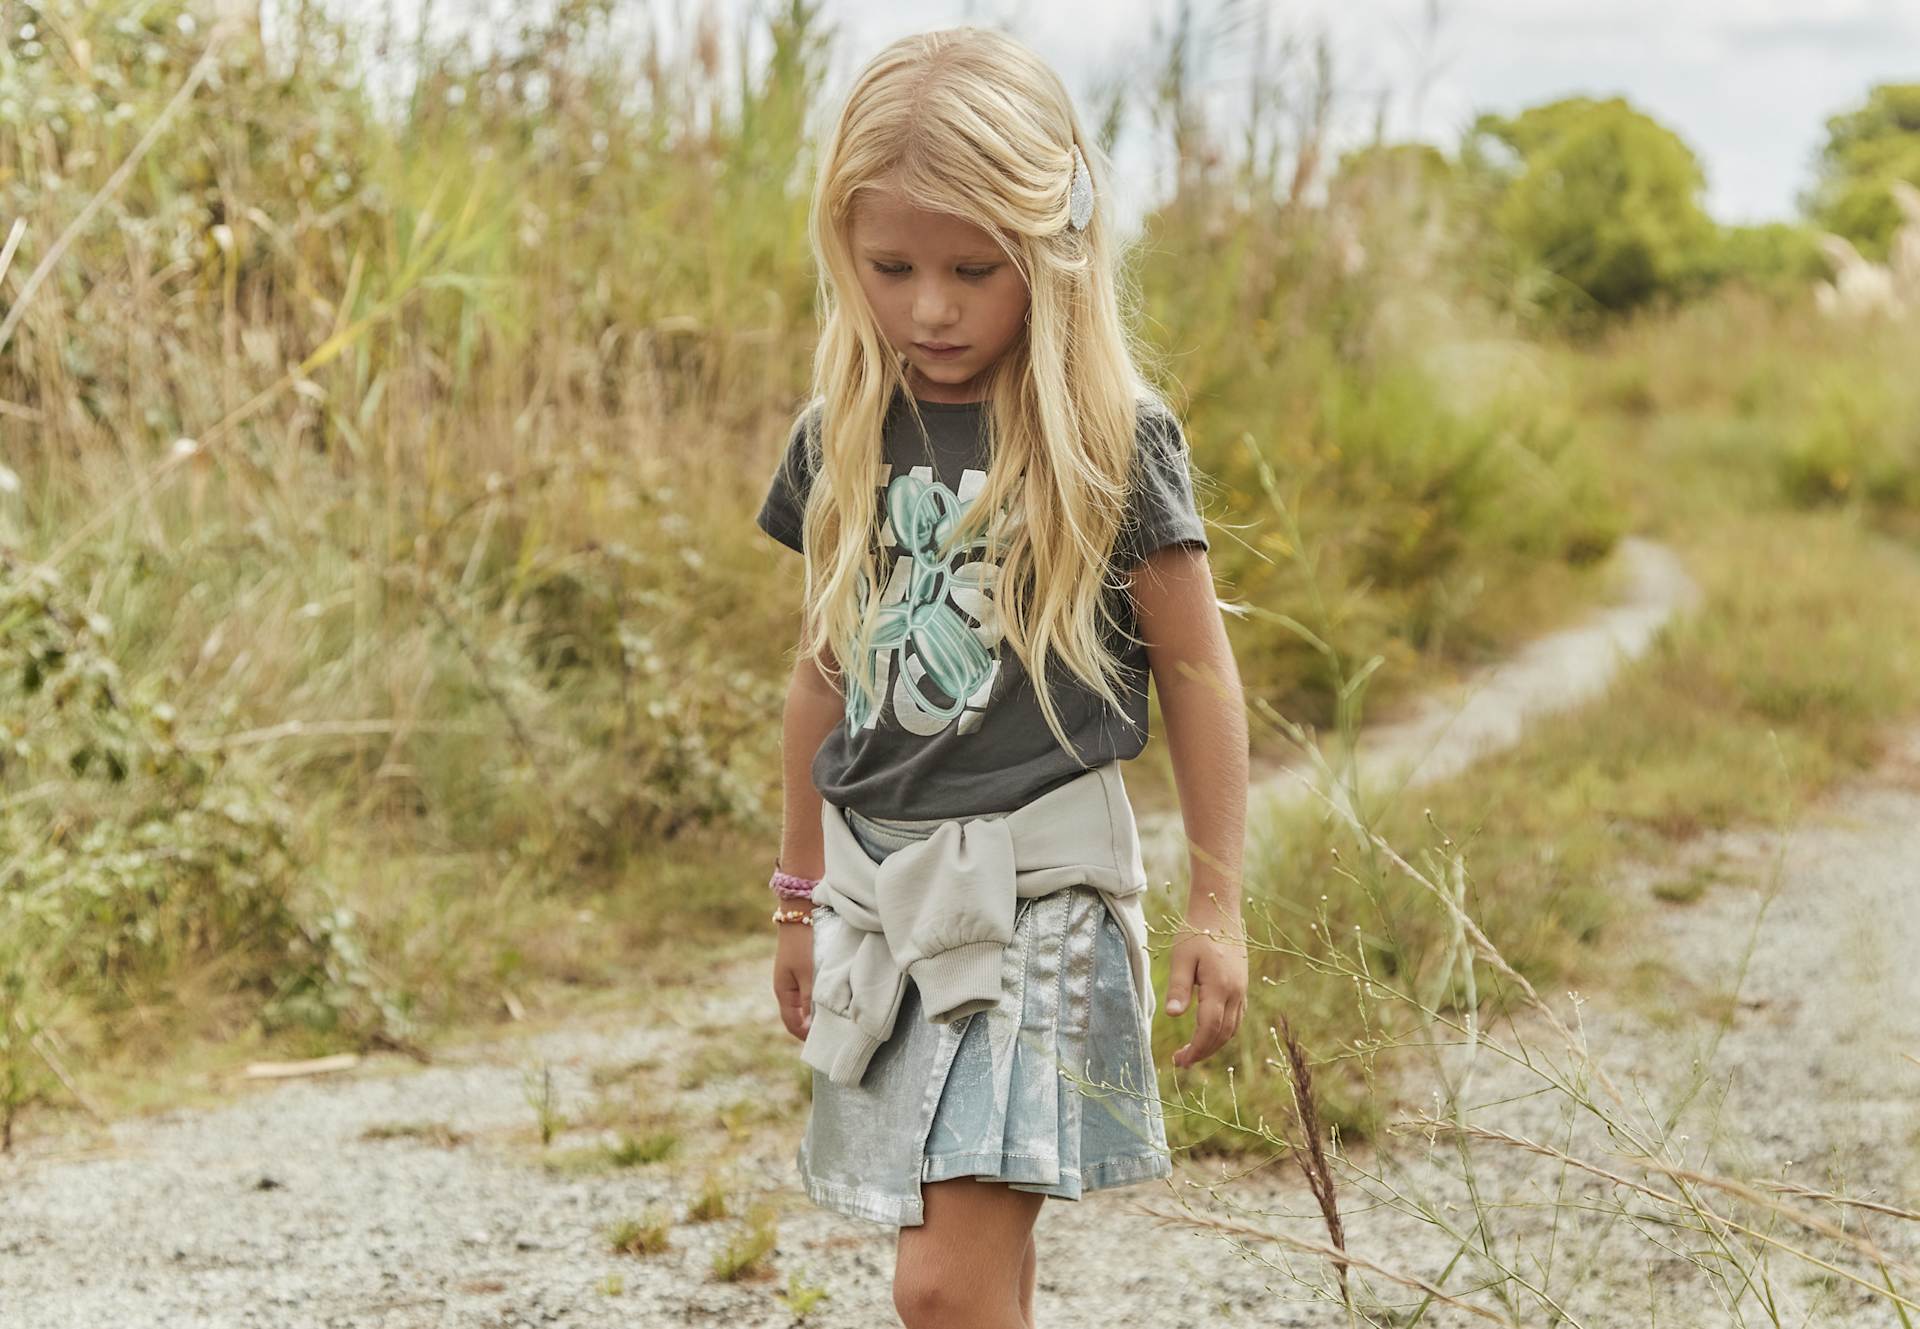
[1052, 1090]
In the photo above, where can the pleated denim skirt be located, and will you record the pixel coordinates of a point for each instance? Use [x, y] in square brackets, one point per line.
[1051, 1090]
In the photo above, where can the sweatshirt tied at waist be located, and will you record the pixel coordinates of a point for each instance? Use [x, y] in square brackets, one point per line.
[941, 911]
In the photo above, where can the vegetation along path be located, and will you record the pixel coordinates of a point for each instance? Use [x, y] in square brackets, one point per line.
[516, 1181]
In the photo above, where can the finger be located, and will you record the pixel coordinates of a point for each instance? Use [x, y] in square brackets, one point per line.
[1230, 1024]
[1197, 1047]
[787, 995]
[1179, 984]
[1209, 1026]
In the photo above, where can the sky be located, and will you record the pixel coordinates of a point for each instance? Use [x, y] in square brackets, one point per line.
[1748, 84]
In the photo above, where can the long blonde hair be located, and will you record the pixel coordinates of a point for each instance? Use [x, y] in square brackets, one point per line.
[970, 122]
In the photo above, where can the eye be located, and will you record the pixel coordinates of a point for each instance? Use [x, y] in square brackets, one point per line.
[970, 273]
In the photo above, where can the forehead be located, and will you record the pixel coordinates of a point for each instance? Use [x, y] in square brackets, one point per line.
[886, 219]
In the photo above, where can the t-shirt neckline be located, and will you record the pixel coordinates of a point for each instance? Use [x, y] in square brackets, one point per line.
[948, 405]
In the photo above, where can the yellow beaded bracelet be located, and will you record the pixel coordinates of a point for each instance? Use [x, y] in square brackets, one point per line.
[793, 916]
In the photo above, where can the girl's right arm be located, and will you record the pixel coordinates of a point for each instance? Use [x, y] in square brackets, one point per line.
[814, 706]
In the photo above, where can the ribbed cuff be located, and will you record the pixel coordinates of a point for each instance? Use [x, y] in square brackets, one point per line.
[960, 980]
[837, 1046]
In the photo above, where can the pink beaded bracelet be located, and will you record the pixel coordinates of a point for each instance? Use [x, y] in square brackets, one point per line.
[790, 887]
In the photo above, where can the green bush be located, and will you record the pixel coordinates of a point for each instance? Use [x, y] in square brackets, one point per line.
[1776, 258]
[136, 856]
[1599, 199]
[1867, 149]
[1858, 441]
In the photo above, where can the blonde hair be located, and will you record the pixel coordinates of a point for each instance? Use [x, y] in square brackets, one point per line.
[970, 122]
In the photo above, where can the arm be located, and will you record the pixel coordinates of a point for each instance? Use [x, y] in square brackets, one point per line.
[1204, 710]
[813, 708]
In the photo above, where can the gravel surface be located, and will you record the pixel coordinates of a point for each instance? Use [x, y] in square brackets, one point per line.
[396, 1195]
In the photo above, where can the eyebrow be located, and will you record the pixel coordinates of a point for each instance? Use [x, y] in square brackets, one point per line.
[980, 257]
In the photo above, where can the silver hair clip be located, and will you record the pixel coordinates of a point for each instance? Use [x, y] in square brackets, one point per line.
[1080, 195]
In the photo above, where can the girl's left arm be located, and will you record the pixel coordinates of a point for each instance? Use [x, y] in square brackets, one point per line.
[1203, 710]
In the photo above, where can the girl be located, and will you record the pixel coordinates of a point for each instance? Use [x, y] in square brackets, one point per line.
[999, 534]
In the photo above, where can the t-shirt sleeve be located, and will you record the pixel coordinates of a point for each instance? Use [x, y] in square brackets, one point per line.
[1160, 508]
[786, 499]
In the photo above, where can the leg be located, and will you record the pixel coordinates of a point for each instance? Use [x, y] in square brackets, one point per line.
[1028, 1274]
[964, 1267]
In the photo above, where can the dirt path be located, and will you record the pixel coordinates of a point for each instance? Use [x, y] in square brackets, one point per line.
[399, 1196]
[1773, 1040]
[1448, 729]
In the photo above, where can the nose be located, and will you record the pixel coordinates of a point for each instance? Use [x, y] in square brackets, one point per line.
[934, 304]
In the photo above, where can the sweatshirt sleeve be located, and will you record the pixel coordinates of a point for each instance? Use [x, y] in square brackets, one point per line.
[1160, 507]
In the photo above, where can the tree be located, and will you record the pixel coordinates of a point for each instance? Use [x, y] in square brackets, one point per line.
[1598, 199]
[1866, 151]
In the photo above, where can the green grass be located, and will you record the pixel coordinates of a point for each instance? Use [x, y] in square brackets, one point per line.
[711, 1202]
[640, 1236]
[1802, 657]
[631, 1152]
[744, 1256]
[427, 1132]
[434, 699]
[419, 693]
[801, 1296]
[627, 1152]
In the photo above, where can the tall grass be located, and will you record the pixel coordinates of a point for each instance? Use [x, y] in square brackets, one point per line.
[1773, 688]
[1304, 307]
[374, 455]
[398, 464]
[384, 640]
[1415, 1037]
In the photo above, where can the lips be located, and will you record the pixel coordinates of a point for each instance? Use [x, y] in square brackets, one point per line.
[940, 349]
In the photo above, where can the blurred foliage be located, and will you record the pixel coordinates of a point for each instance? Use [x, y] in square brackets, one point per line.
[430, 602]
[1313, 343]
[1601, 199]
[385, 628]
[136, 856]
[428, 553]
[1858, 439]
[1778, 258]
[1866, 150]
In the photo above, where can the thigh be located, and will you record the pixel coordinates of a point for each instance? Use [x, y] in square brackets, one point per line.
[974, 1234]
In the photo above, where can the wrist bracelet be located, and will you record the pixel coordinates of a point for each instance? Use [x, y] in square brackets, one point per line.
[793, 916]
[791, 887]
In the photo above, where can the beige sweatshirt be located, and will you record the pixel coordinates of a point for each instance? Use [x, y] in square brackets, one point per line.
[941, 911]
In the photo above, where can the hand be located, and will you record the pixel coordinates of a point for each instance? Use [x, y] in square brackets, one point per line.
[1208, 970]
[793, 977]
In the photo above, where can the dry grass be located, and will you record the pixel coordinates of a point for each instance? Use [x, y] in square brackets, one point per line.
[377, 457]
[744, 1257]
[647, 1236]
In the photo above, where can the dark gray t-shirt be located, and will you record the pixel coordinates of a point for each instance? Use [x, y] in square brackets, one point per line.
[957, 732]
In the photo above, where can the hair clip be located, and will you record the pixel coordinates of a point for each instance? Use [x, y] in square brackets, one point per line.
[1080, 195]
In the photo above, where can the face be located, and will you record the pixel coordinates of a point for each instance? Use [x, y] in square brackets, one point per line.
[946, 296]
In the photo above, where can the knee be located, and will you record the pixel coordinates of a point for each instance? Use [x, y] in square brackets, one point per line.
[924, 1300]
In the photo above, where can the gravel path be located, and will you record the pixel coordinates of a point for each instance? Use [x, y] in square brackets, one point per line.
[394, 1195]
[1447, 730]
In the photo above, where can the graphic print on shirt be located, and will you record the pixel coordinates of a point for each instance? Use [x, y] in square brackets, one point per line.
[937, 622]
